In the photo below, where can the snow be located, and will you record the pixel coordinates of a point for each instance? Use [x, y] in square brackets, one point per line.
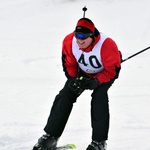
[31, 34]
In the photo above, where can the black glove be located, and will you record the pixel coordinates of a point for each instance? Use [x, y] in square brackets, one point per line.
[74, 86]
[87, 83]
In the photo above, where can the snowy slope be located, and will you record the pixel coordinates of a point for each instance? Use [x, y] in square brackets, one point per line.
[31, 34]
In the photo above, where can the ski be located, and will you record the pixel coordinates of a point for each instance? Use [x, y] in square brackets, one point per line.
[63, 147]
[66, 147]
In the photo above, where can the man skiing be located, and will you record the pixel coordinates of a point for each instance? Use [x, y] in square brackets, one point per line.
[91, 61]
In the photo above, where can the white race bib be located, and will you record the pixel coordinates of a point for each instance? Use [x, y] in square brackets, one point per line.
[89, 62]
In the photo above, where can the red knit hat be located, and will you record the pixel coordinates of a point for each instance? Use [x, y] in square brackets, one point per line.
[85, 25]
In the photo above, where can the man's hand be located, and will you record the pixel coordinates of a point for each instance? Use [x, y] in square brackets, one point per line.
[74, 86]
[87, 83]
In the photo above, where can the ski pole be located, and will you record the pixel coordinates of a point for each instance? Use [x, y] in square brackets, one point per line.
[84, 9]
[136, 54]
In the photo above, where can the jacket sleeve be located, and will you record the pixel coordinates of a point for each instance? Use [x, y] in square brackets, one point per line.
[111, 59]
[69, 63]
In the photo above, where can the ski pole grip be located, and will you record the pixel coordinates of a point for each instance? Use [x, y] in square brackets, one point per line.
[84, 10]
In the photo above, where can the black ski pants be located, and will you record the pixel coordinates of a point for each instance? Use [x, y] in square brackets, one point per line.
[63, 105]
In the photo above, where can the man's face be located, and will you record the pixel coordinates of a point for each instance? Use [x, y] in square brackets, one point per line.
[84, 43]
[83, 39]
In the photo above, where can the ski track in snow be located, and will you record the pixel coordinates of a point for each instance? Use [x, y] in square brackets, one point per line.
[31, 34]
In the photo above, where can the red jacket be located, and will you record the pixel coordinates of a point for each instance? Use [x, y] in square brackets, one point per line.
[110, 57]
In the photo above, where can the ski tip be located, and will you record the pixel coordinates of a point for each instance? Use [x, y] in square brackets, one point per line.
[71, 146]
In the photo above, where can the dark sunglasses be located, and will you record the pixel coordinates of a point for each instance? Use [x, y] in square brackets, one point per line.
[82, 36]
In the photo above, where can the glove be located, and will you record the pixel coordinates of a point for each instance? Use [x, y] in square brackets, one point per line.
[74, 86]
[87, 83]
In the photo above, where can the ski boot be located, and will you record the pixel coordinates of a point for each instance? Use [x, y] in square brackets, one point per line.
[97, 145]
[46, 142]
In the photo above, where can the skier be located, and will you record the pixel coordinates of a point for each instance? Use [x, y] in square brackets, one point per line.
[91, 61]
